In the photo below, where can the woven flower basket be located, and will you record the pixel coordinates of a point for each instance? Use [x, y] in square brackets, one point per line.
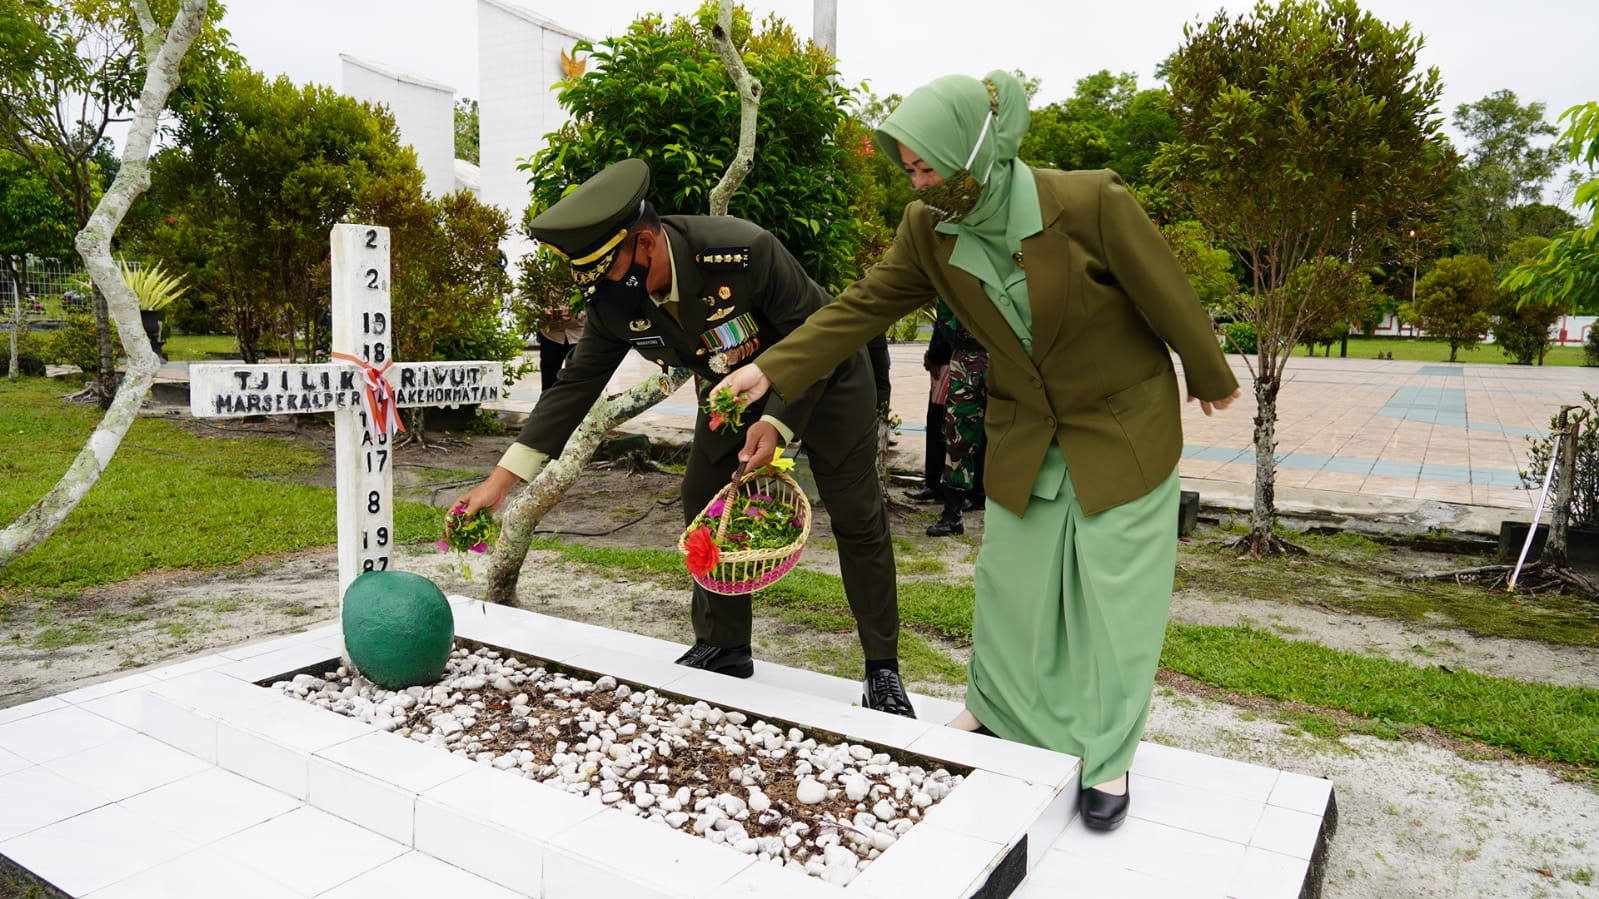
[745, 571]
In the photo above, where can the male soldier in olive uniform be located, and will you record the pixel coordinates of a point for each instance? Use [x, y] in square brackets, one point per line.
[708, 293]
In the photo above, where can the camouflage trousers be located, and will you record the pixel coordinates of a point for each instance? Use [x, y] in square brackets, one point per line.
[963, 419]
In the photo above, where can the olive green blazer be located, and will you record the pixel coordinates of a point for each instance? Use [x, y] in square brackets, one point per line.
[1107, 297]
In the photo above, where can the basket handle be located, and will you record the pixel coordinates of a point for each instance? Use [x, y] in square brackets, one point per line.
[729, 493]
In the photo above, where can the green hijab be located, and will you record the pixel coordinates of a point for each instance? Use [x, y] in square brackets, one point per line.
[942, 121]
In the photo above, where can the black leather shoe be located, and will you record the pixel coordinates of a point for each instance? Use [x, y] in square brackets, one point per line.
[974, 502]
[885, 693]
[925, 495]
[731, 661]
[945, 527]
[1101, 810]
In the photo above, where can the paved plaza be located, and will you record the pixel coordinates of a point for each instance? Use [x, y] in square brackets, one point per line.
[1428, 431]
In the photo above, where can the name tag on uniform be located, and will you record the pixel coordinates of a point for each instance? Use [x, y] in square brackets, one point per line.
[644, 342]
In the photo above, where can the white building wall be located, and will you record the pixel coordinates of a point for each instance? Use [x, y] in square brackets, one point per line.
[1570, 330]
[519, 65]
[424, 111]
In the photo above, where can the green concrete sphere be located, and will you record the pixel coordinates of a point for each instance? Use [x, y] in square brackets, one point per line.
[398, 628]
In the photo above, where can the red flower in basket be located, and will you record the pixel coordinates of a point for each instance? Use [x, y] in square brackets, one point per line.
[703, 553]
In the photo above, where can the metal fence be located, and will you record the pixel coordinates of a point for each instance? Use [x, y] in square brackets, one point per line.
[50, 291]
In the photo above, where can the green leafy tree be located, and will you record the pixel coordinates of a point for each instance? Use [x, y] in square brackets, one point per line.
[1306, 130]
[1338, 294]
[445, 274]
[1521, 330]
[68, 71]
[1209, 268]
[256, 182]
[659, 92]
[1107, 124]
[1566, 272]
[1454, 302]
[466, 130]
[1504, 168]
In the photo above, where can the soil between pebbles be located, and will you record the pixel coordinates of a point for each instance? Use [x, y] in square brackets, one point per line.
[824, 808]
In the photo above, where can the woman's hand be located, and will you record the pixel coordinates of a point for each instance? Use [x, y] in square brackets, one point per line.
[748, 383]
[1207, 406]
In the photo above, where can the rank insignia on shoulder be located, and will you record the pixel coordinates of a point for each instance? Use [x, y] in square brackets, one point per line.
[719, 314]
[638, 324]
[724, 259]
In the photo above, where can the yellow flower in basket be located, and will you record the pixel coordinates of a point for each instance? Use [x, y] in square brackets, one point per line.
[779, 463]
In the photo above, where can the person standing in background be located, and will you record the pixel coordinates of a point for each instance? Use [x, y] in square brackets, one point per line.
[964, 442]
[936, 361]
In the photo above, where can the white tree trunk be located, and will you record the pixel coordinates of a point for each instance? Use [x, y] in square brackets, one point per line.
[94, 245]
[528, 506]
[749, 92]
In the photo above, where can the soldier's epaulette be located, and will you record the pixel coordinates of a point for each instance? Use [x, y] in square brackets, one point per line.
[724, 259]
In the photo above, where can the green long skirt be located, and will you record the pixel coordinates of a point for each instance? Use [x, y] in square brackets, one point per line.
[1070, 616]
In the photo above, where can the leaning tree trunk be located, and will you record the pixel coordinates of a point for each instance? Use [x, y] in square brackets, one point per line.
[163, 52]
[528, 506]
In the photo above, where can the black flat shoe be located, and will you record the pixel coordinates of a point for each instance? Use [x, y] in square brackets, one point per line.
[732, 661]
[925, 495]
[1101, 810]
[945, 527]
[885, 693]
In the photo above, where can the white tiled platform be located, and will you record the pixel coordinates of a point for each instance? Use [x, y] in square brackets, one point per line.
[191, 781]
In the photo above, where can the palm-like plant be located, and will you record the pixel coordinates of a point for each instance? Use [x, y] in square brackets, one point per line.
[155, 287]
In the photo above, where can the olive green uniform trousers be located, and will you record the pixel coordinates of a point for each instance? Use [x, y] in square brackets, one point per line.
[1070, 616]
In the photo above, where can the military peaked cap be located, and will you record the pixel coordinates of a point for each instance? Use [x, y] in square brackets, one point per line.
[586, 227]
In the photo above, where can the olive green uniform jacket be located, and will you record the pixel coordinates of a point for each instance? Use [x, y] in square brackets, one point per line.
[1107, 297]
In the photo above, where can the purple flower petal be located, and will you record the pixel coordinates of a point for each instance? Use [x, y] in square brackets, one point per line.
[480, 547]
[716, 509]
[442, 544]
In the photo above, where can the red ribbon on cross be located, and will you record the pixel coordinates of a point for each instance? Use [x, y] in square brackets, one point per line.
[377, 395]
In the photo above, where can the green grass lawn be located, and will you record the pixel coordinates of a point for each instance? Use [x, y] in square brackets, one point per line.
[198, 347]
[169, 498]
[1416, 350]
[1539, 721]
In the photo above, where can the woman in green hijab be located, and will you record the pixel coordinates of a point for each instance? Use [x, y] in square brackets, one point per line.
[1080, 303]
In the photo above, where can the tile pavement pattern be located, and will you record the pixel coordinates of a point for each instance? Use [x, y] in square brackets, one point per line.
[1455, 433]
[189, 781]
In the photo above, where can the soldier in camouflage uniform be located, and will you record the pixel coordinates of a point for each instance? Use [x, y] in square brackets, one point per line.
[963, 425]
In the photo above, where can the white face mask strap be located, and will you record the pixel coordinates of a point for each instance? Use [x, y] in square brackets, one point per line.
[979, 145]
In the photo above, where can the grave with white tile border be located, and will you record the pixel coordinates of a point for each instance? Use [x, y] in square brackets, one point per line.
[193, 775]
[193, 779]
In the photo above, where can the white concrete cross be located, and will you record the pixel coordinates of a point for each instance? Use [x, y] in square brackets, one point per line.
[363, 451]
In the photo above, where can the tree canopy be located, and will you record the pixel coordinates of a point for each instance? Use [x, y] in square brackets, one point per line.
[659, 92]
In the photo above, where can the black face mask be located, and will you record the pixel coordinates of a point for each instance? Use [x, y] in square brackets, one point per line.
[630, 288]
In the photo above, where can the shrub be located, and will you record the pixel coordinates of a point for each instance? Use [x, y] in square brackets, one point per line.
[76, 344]
[1239, 338]
[30, 354]
[1585, 486]
[1590, 349]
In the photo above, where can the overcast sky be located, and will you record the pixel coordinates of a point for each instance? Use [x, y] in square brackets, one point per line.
[1542, 49]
